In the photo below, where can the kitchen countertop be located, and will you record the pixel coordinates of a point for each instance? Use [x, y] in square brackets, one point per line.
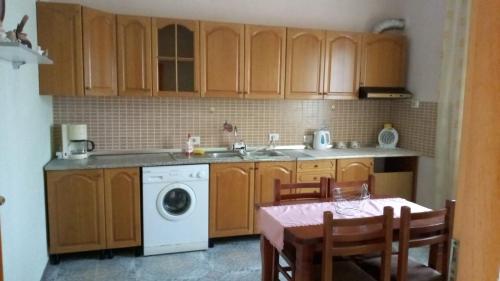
[167, 159]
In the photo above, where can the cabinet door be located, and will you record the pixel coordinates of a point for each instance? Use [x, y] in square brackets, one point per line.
[123, 207]
[342, 64]
[231, 199]
[354, 169]
[75, 203]
[265, 174]
[176, 57]
[222, 59]
[265, 49]
[384, 60]
[99, 53]
[134, 56]
[305, 64]
[60, 32]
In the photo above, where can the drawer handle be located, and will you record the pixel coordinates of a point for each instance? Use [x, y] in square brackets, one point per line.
[315, 166]
[315, 178]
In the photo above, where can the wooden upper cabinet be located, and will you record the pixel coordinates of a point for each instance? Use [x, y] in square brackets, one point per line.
[176, 51]
[305, 64]
[354, 169]
[134, 56]
[265, 49]
[222, 59]
[123, 207]
[76, 212]
[60, 32]
[231, 199]
[99, 53]
[383, 60]
[342, 62]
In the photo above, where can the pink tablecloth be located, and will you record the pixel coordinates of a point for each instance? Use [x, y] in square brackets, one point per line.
[273, 220]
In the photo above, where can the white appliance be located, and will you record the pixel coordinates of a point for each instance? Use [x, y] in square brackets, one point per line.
[388, 137]
[322, 139]
[175, 209]
[74, 142]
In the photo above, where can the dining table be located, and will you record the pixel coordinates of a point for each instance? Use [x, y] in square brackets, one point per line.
[298, 225]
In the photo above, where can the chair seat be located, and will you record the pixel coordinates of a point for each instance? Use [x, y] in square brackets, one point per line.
[416, 270]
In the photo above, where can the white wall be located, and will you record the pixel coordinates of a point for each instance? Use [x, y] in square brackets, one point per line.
[25, 120]
[352, 15]
[425, 26]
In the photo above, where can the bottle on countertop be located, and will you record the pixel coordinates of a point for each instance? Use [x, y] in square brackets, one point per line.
[188, 146]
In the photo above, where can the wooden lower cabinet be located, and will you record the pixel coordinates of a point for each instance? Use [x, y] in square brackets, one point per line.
[93, 209]
[123, 207]
[354, 169]
[265, 174]
[75, 202]
[314, 170]
[231, 199]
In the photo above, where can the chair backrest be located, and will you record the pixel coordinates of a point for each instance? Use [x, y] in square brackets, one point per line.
[347, 237]
[352, 188]
[424, 229]
[300, 191]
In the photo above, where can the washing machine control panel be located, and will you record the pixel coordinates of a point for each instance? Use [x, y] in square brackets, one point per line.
[175, 173]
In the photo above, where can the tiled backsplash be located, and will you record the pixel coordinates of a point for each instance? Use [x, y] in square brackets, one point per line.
[416, 126]
[118, 123]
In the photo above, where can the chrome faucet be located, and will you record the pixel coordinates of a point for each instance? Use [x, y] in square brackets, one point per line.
[239, 144]
[272, 143]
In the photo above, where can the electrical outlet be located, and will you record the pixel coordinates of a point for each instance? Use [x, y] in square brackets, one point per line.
[195, 140]
[274, 137]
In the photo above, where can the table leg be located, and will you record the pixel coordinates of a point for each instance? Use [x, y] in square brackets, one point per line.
[267, 257]
[304, 262]
[436, 257]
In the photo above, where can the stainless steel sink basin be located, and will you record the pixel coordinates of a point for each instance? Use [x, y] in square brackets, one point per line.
[264, 154]
[209, 155]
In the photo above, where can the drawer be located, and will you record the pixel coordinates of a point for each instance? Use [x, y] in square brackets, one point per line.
[314, 177]
[317, 165]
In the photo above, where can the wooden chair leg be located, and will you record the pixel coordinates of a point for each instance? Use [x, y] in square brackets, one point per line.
[276, 260]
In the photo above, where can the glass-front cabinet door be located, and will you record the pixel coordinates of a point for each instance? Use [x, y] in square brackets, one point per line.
[176, 57]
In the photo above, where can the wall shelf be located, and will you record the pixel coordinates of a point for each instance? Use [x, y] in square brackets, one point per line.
[19, 54]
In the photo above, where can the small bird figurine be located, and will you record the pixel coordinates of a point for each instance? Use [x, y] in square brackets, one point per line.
[23, 37]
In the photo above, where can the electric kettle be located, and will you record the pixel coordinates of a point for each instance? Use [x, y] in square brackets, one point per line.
[322, 139]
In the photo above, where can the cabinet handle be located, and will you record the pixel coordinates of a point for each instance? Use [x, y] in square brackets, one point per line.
[315, 178]
[87, 88]
[2, 200]
[315, 166]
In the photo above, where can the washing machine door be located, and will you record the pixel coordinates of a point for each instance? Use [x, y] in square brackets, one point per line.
[176, 201]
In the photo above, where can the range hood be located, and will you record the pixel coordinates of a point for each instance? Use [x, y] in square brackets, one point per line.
[384, 93]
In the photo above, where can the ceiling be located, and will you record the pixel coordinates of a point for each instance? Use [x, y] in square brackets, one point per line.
[353, 15]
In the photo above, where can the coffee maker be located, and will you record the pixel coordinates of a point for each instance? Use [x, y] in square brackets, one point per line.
[75, 144]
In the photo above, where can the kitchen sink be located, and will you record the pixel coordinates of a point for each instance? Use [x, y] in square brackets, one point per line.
[261, 154]
[209, 155]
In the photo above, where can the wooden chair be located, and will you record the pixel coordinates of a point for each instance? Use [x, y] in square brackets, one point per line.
[432, 228]
[347, 240]
[352, 188]
[300, 191]
[294, 192]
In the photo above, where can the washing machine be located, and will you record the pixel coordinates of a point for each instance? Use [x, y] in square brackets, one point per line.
[175, 208]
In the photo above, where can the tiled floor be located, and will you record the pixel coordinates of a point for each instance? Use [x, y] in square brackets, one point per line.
[233, 260]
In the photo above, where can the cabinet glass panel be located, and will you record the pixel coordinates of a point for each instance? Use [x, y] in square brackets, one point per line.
[166, 75]
[166, 41]
[185, 42]
[186, 76]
